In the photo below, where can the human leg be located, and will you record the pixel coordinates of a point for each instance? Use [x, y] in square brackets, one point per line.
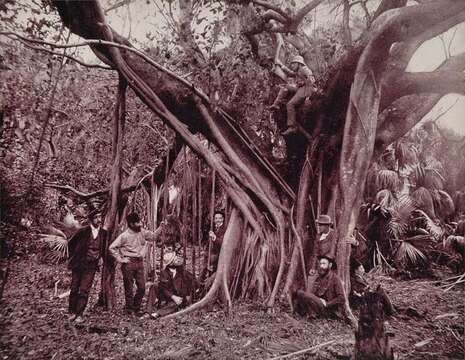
[140, 285]
[128, 281]
[308, 303]
[74, 291]
[291, 106]
[87, 279]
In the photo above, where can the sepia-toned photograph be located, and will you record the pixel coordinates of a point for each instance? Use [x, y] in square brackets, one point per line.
[232, 179]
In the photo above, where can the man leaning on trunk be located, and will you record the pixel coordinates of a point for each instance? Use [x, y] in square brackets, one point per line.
[129, 250]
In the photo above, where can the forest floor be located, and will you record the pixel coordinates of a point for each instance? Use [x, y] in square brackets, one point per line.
[429, 324]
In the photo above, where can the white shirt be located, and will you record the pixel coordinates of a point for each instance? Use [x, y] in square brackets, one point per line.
[94, 231]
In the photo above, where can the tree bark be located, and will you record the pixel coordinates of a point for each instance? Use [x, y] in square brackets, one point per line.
[108, 294]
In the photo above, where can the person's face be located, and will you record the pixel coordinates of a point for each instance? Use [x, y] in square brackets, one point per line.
[177, 261]
[322, 228]
[324, 265]
[294, 66]
[96, 221]
[135, 226]
[360, 270]
[218, 220]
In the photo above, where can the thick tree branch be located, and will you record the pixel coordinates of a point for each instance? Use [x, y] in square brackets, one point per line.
[400, 117]
[448, 78]
[438, 82]
[272, 7]
[402, 52]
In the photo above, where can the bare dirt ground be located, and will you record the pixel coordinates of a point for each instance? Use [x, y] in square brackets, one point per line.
[429, 324]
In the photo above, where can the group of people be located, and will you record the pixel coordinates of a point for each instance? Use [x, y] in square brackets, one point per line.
[323, 295]
[176, 285]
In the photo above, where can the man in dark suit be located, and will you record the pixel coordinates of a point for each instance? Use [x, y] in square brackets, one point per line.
[176, 286]
[215, 239]
[85, 248]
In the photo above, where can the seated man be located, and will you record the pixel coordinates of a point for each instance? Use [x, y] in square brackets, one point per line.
[358, 284]
[326, 297]
[302, 84]
[176, 286]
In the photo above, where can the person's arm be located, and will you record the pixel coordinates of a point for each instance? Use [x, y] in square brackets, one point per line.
[339, 297]
[153, 236]
[75, 241]
[287, 71]
[114, 249]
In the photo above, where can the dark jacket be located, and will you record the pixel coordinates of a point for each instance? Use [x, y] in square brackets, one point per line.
[358, 285]
[78, 246]
[329, 287]
[216, 245]
[183, 284]
[326, 247]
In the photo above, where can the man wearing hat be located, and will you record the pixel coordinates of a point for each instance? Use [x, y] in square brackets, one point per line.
[85, 248]
[303, 88]
[326, 297]
[176, 286]
[325, 244]
[129, 250]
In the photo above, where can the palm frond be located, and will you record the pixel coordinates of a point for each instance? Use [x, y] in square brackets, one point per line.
[443, 204]
[435, 230]
[385, 198]
[54, 231]
[388, 179]
[433, 179]
[407, 254]
[400, 217]
[58, 245]
[406, 154]
[424, 200]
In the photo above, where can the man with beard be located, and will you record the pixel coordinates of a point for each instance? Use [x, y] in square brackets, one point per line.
[85, 248]
[326, 297]
[176, 286]
[215, 238]
[129, 250]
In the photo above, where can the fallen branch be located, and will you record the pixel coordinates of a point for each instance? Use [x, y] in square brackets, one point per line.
[310, 349]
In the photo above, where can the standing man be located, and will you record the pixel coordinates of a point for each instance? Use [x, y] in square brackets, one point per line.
[85, 248]
[325, 244]
[215, 240]
[129, 250]
[326, 297]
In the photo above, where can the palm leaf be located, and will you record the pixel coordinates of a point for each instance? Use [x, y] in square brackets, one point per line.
[435, 230]
[58, 245]
[388, 179]
[433, 179]
[407, 253]
[406, 154]
[443, 203]
[400, 217]
[424, 200]
[385, 198]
